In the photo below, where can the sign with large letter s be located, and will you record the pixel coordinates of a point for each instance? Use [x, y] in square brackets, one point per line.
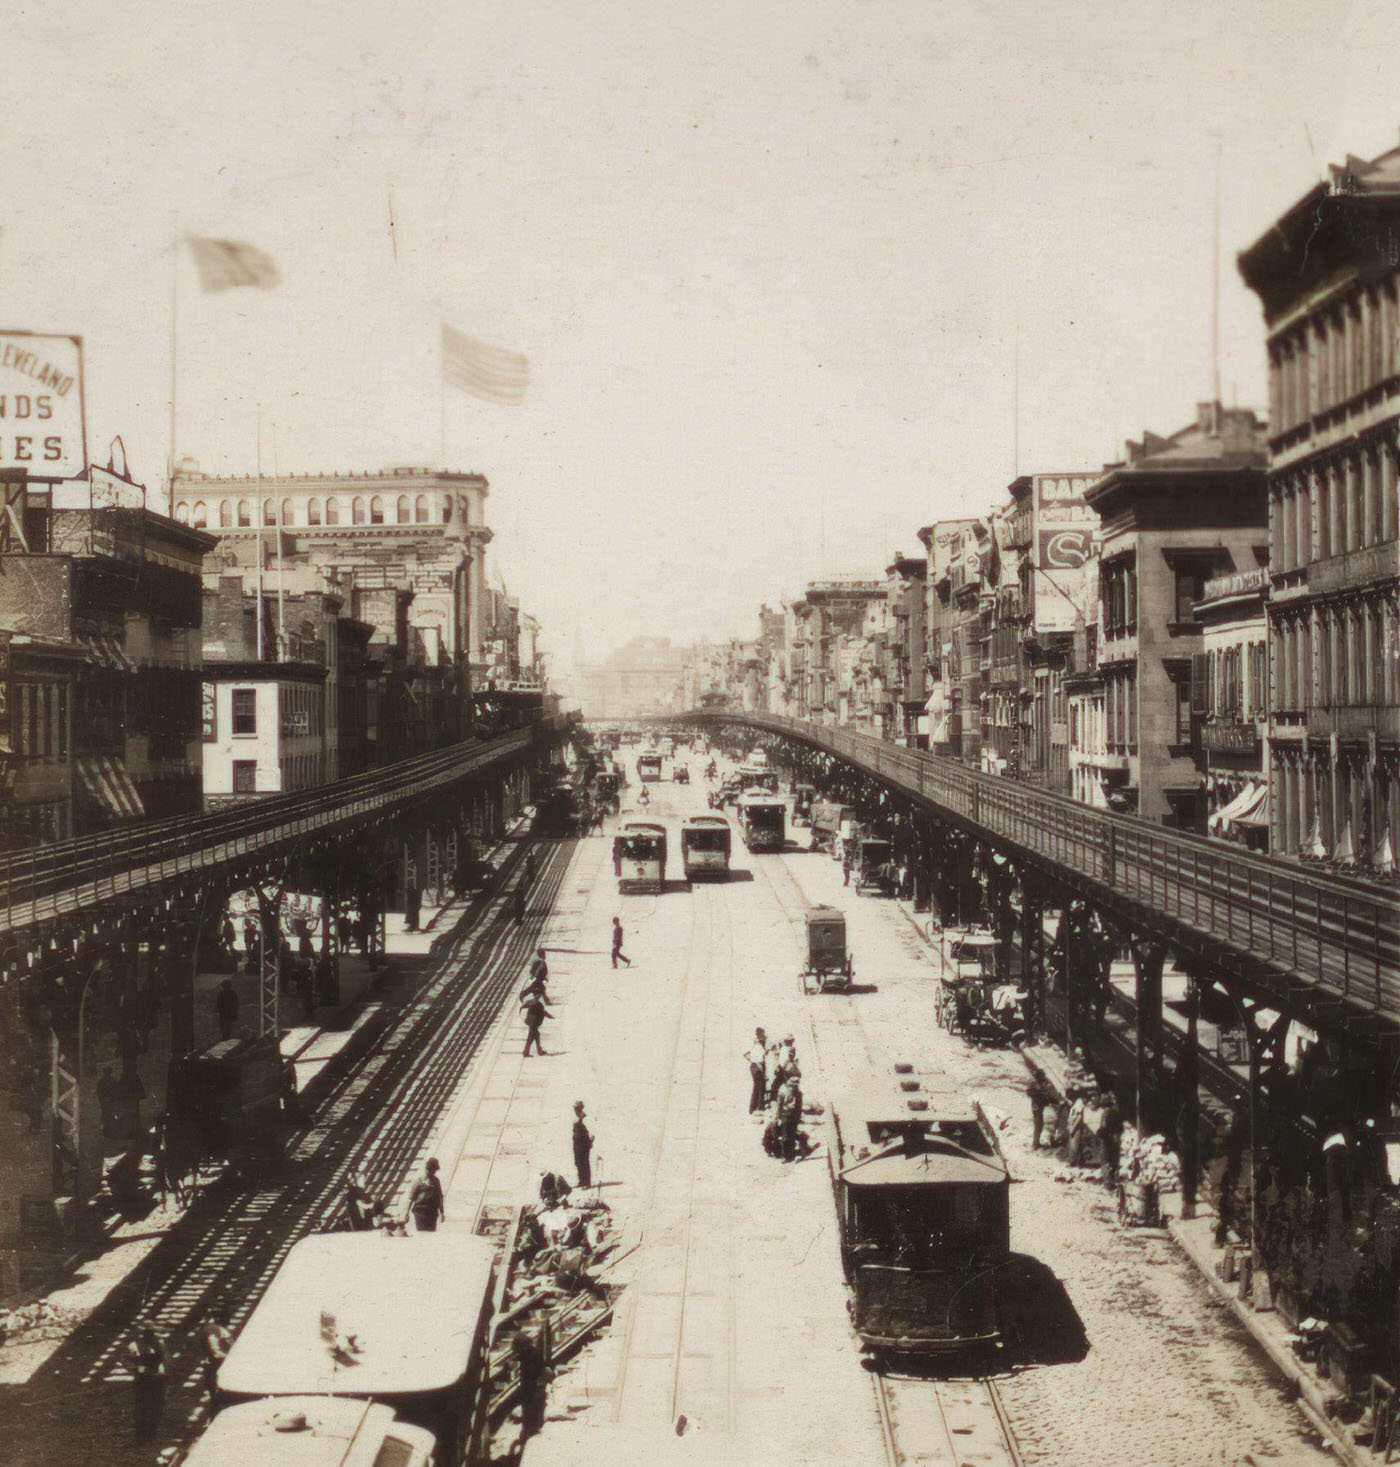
[1065, 549]
[41, 405]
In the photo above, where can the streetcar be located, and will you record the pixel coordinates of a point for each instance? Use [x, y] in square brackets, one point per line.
[756, 777]
[639, 858]
[649, 766]
[404, 1322]
[311, 1431]
[923, 1202]
[705, 845]
[226, 1104]
[762, 822]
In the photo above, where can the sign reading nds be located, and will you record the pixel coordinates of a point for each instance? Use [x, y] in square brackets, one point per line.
[41, 405]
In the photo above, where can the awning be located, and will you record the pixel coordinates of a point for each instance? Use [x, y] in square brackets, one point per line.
[1098, 796]
[107, 781]
[1385, 857]
[938, 734]
[107, 653]
[1244, 803]
[1256, 817]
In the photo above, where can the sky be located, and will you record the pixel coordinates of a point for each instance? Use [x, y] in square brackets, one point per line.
[783, 273]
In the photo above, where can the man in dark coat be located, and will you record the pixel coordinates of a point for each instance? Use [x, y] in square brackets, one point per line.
[583, 1147]
[425, 1203]
[226, 1008]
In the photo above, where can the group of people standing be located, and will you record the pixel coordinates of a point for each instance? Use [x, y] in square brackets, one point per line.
[776, 1086]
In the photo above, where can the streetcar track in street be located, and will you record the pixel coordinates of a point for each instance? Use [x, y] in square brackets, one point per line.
[231, 1244]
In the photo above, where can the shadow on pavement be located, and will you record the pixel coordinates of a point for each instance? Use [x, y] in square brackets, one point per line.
[1040, 1325]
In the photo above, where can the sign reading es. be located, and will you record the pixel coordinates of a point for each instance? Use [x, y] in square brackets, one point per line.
[42, 430]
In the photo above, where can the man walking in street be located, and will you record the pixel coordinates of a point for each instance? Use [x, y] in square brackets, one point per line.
[535, 1015]
[617, 944]
[1040, 1094]
[146, 1361]
[583, 1147]
[539, 976]
[517, 903]
[757, 1056]
[425, 1203]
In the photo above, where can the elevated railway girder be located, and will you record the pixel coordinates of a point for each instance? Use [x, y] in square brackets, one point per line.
[102, 937]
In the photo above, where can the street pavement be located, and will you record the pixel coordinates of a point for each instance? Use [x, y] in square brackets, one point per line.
[733, 1312]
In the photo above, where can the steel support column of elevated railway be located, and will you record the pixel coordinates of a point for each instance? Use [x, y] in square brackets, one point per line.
[101, 940]
[1261, 939]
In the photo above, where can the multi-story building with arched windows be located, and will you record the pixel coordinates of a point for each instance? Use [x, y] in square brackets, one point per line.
[421, 530]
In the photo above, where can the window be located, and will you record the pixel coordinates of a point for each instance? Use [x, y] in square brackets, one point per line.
[245, 776]
[332, 511]
[269, 511]
[447, 509]
[225, 515]
[376, 511]
[199, 515]
[1192, 573]
[288, 514]
[358, 510]
[313, 511]
[245, 711]
[401, 510]
[420, 510]
[245, 514]
[182, 513]
[1182, 688]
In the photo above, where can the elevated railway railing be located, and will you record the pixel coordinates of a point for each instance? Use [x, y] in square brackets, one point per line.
[1316, 928]
[52, 880]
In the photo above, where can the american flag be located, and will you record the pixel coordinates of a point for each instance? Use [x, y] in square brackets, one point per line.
[488, 372]
[226, 263]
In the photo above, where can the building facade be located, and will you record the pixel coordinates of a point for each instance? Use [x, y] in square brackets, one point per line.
[1176, 512]
[414, 529]
[1327, 275]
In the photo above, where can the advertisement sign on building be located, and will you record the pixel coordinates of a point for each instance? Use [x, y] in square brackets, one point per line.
[1060, 507]
[42, 430]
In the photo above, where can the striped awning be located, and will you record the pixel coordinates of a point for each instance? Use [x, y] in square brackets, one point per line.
[105, 778]
[106, 652]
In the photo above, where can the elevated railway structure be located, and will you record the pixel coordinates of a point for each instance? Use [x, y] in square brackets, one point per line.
[101, 939]
[1269, 941]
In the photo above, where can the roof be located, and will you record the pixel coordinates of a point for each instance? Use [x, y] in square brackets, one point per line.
[896, 1166]
[1220, 441]
[643, 827]
[338, 1433]
[766, 801]
[716, 822]
[411, 1305]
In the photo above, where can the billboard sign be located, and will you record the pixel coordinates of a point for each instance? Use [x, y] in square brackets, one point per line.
[42, 430]
[1060, 506]
[1065, 549]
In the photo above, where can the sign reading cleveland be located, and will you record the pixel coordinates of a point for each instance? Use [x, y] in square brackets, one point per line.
[41, 405]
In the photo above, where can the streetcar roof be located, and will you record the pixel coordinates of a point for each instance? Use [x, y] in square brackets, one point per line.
[573, 1445]
[940, 1162]
[768, 802]
[643, 827]
[411, 1304]
[307, 1431]
[705, 822]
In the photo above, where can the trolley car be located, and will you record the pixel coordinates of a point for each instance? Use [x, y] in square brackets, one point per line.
[923, 1201]
[400, 1321]
[705, 844]
[639, 857]
[649, 766]
[762, 822]
[311, 1431]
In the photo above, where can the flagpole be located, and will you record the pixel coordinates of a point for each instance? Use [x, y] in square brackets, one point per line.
[442, 394]
[281, 584]
[258, 511]
[174, 306]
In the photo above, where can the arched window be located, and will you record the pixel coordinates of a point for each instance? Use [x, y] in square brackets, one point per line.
[245, 514]
[401, 509]
[359, 510]
[446, 509]
[199, 515]
[376, 511]
[288, 515]
[182, 512]
[420, 510]
[313, 511]
[332, 511]
[225, 514]
[269, 511]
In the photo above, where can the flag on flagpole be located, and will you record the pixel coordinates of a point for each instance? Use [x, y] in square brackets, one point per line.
[224, 264]
[488, 372]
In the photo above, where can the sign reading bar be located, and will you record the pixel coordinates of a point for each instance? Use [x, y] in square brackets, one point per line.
[41, 405]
